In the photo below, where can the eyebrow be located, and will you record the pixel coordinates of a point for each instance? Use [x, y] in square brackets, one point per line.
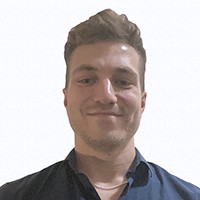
[84, 68]
[126, 69]
[121, 69]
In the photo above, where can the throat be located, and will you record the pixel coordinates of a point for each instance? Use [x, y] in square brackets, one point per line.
[111, 169]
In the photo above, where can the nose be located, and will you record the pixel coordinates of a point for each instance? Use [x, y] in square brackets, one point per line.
[104, 92]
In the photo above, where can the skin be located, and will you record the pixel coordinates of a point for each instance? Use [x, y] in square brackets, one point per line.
[104, 103]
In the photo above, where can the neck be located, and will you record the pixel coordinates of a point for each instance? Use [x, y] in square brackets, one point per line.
[102, 167]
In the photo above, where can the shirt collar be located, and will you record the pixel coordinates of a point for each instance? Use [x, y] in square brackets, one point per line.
[140, 159]
[136, 164]
[71, 160]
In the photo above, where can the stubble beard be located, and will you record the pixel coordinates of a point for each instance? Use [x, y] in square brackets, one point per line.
[109, 143]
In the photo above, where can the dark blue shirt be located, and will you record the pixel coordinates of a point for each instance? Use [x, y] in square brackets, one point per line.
[61, 181]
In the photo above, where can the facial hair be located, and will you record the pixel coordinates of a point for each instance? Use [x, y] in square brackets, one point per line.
[108, 143]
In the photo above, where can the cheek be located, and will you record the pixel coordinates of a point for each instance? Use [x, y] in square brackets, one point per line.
[132, 107]
[131, 101]
[76, 102]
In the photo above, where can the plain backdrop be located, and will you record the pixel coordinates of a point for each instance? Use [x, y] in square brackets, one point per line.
[34, 131]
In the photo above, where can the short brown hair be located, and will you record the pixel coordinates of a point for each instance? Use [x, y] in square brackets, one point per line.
[106, 25]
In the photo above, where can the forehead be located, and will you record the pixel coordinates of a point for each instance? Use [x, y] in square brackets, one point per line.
[105, 55]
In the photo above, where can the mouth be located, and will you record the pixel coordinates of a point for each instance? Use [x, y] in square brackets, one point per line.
[105, 114]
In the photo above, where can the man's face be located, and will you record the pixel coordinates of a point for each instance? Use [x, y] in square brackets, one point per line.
[103, 99]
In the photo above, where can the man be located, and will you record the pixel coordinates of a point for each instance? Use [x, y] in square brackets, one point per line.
[104, 97]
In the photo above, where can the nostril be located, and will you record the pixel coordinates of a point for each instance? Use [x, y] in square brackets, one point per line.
[105, 97]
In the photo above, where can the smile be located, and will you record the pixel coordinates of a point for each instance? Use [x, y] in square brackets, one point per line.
[105, 114]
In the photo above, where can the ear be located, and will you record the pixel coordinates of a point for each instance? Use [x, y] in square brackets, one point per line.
[143, 101]
[65, 96]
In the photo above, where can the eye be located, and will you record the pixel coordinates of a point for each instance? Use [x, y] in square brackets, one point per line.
[86, 81]
[123, 83]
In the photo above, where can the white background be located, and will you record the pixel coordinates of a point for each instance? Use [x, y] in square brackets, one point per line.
[34, 132]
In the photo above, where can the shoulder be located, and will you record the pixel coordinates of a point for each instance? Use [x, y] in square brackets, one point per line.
[17, 189]
[170, 182]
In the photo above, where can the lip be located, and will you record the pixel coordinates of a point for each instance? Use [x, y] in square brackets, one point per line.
[105, 114]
